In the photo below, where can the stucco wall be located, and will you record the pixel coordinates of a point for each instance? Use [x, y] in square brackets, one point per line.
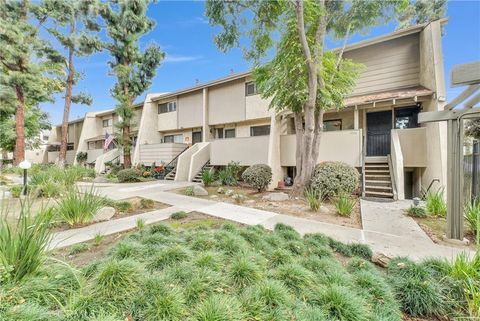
[388, 65]
[227, 102]
[159, 153]
[147, 131]
[189, 108]
[256, 107]
[413, 142]
[342, 146]
[167, 121]
[247, 150]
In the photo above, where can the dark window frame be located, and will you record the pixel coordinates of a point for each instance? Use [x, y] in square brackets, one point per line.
[331, 121]
[410, 112]
[168, 107]
[249, 84]
[253, 128]
[229, 130]
[107, 122]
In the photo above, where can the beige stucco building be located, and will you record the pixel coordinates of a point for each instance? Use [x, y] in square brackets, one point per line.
[227, 120]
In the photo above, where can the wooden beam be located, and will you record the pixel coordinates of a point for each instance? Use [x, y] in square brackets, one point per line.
[473, 101]
[464, 95]
[465, 74]
[444, 115]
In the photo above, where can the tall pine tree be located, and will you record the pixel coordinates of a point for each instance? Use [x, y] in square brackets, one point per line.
[27, 65]
[74, 26]
[126, 22]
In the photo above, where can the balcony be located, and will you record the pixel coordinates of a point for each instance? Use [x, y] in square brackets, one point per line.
[52, 157]
[344, 146]
[167, 121]
[413, 142]
[246, 150]
[159, 153]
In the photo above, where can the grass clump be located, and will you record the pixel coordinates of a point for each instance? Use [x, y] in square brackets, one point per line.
[344, 204]
[189, 191]
[416, 211]
[208, 177]
[178, 215]
[435, 203]
[23, 242]
[314, 199]
[78, 248]
[146, 203]
[140, 223]
[219, 308]
[76, 208]
[472, 217]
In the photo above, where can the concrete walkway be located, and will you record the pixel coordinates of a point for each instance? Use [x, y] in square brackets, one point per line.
[385, 228]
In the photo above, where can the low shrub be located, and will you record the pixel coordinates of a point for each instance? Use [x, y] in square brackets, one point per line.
[208, 177]
[121, 206]
[24, 242]
[229, 175]
[178, 215]
[146, 203]
[140, 224]
[98, 238]
[472, 217]
[78, 248]
[435, 204]
[238, 198]
[416, 211]
[314, 198]
[332, 178]
[189, 191]
[78, 208]
[361, 250]
[129, 175]
[15, 190]
[344, 204]
[258, 176]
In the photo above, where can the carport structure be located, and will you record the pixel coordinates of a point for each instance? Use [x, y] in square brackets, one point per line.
[461, 75]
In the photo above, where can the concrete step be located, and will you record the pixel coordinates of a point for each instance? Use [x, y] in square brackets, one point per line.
[378, 194]
[378, 182]
[377, 187]
[377, 171]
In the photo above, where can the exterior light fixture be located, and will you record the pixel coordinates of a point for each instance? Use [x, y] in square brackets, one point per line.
[416, 201]
[25, 165]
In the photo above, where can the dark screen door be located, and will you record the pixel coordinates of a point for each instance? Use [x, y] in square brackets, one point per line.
[379, 125]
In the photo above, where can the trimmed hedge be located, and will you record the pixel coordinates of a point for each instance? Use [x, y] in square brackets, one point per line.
[258, 176]
[332, 178]
[129, 175]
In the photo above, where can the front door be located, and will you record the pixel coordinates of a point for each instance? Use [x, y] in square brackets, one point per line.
[196, 137]
[379, 125]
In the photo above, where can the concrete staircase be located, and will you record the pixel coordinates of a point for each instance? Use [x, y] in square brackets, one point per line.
[378, 180]
[198, 177]
[171, 175]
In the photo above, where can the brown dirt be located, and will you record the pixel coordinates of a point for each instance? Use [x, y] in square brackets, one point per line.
[96, 252]
[435, 229]
[295, 207]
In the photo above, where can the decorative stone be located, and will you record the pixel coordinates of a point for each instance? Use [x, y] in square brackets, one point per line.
[276, 197]
[214, 196]
[100, 179]
[221, 190]
[199, 191]
[229, 192]
[250, 201]
[324, 210]
[104, 214]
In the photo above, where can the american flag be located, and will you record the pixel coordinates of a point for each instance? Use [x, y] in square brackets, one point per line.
[108, 140]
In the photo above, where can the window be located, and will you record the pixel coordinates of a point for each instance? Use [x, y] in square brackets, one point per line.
[167, 107]
[173, 138]
[70, 146]
[332, 125]
[219, 133]
[53, 148]
[406, 117]
[260, 130]
[250, 88]
[98, 144]
[107, 122]
[230, 133]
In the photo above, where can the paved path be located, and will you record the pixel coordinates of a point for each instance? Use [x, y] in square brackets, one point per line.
[385, 228]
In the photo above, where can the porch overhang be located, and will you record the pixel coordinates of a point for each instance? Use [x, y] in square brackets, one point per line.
[96, 138]
[413, 93]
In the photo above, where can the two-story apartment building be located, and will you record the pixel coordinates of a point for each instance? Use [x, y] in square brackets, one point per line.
[376, 131]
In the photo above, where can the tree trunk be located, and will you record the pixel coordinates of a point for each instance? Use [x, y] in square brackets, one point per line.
[127, 161]
[19, 126]
[68, 102]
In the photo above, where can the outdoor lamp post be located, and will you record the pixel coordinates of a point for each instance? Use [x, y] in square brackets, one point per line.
[25, 165]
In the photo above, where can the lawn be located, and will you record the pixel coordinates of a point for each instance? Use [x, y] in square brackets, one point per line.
[196, 269]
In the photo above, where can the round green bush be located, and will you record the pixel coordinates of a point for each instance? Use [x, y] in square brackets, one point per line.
[258, 176]
[129, 175]
[332, 178]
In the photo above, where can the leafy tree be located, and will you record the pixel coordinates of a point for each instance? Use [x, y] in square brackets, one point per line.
[291, 64]
[419, 11]
[27, 67]
[126, 22]
[472, 128]
[75, 28]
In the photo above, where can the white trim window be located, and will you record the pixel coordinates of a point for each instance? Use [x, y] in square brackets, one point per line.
[173, 138]
[169, 107]
[107, 122]
[250, 88]
[263, 130]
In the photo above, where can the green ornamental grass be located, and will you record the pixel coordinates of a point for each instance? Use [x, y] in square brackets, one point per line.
[77, 208]
[344, 204]
[435, 203]
[472, 217]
